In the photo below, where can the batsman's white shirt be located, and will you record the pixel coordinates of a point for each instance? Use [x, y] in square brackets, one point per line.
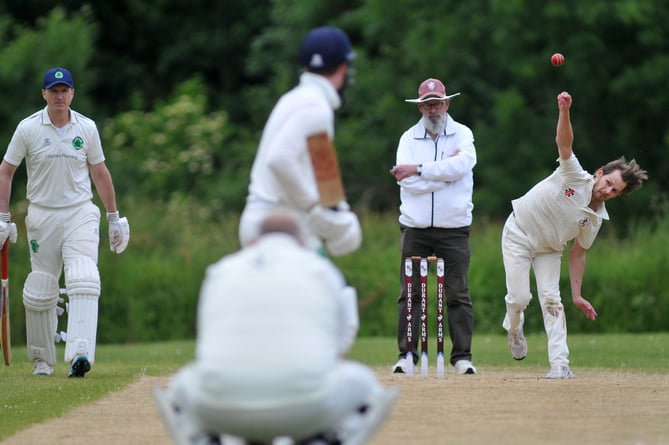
[56, 161]
[282, 174]
[556, 210]
[282, 171]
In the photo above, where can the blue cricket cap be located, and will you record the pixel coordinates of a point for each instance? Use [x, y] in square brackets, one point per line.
[325, 48]
[57, 76]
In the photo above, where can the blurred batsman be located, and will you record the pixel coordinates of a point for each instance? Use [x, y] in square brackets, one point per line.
[63, 152]
[296, 164]
[274, 323]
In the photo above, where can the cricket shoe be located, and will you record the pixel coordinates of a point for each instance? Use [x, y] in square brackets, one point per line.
[42, 368]
[405, 365]
[400, 367]
[464, 367]
[518, 345]
[560, 372]
[80, 366]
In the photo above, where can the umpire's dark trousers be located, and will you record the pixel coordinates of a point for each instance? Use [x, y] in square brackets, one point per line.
[453, 246]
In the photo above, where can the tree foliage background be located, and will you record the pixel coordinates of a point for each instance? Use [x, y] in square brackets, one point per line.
[181, 91]
[130, 57]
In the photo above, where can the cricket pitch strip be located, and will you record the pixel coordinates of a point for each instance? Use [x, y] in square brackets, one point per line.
[514, 406]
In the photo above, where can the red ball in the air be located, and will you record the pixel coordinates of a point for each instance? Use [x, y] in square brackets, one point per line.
[557, 59]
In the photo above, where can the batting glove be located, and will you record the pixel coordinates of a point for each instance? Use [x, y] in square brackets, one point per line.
[7, 229]
[119, 232]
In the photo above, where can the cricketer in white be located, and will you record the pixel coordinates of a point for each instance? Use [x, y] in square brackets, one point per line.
[274, 323]
[567, 205]
[282, 174]
[62, 152]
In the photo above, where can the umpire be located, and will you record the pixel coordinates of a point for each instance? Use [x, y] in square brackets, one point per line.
[434, 166]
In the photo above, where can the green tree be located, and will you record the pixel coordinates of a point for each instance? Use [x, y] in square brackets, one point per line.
[496, 53]
[28, 52]
[178, 150]
[144, 50]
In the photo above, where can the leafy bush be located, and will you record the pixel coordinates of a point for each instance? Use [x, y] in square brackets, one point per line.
[150, 292]
[178, 149]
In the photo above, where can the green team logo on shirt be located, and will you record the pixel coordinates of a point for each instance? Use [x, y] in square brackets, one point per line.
[78, 143]
[34, 246]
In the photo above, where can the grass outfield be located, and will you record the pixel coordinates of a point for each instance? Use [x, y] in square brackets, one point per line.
[26, 399]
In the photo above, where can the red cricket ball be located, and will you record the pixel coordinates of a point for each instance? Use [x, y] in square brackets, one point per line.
[557, 59]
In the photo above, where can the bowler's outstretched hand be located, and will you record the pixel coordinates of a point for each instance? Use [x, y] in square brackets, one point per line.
[586, 307]
[564, 101]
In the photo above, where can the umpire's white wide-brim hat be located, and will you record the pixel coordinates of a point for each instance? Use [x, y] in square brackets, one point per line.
[431, 89]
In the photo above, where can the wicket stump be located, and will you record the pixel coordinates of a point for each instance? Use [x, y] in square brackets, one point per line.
[424, 302]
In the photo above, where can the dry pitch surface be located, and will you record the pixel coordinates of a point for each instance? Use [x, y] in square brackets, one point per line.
[514, 406]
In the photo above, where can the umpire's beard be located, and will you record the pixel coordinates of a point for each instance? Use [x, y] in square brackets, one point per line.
[435, 123]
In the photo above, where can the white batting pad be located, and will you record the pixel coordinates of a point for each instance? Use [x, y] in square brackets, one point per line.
[40, 297]
[82, 325]
[82, 280]
[82, 277]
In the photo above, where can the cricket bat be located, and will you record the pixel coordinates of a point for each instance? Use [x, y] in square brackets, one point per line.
[4, 307]
[326, 170]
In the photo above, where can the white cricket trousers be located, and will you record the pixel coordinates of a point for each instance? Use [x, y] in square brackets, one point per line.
[61, 239]
[347, 387]
[519, 257]
[61, 235]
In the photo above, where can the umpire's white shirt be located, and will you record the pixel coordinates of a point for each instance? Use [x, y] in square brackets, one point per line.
[56, 159]
[442, 195]
[556, 210]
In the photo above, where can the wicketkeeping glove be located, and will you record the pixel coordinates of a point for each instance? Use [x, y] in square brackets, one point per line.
[119, 232]
[7, 229]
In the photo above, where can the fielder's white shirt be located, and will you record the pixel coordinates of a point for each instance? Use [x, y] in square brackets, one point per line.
[56, 164]
[442, 195]
[282, 173]
[556, 210]
[270, 324]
